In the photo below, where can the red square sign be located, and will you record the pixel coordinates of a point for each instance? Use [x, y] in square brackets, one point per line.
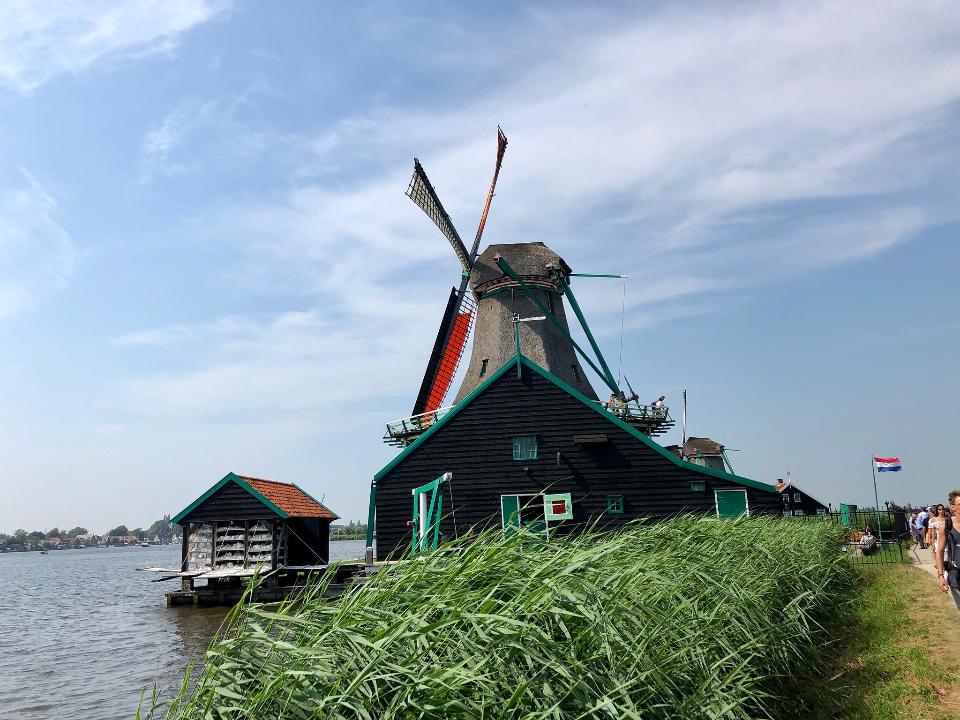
[558, 507]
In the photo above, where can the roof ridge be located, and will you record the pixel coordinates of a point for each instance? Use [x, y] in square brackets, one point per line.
[266, 480]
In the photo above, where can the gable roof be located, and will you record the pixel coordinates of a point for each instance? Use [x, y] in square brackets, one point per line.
[290, 498]
[798, 489]
[596, 407]
[283, 499]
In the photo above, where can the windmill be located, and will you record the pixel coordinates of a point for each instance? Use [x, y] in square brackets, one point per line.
[458, 317]
[505, 282]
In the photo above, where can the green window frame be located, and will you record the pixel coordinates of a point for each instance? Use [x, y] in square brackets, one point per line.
[698, 486]
[483, 367]
[615, 504]
[525, 447]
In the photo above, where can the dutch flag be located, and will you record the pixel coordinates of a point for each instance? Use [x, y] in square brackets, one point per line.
[887, 464]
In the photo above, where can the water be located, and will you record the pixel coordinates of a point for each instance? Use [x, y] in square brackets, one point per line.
[82, 634]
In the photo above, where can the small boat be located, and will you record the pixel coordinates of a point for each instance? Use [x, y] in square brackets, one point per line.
[44, 552]
[144, 544]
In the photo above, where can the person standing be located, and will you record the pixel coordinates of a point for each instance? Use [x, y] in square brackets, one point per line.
[948, 538]
[912, 525]
[938, 517]
[922, 528]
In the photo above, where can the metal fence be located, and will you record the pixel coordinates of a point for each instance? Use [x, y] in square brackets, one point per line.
[870, 537]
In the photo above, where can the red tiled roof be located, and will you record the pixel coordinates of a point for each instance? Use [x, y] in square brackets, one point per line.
[289, 498]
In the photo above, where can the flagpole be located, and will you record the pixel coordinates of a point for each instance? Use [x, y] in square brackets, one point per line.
[876, 497]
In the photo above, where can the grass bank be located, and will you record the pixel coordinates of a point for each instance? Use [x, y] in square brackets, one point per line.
[896, 658]
[686, 618]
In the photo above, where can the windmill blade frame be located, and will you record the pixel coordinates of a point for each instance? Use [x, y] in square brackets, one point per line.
[457, 322]
[422, 193]
[455, 327]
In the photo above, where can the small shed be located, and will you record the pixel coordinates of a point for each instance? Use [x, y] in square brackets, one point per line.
[243, 523]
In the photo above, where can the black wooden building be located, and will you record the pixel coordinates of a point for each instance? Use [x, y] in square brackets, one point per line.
[794, 502]
[525, 448]
[242, 523]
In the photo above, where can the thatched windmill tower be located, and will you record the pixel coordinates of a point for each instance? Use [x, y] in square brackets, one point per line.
[500, 299]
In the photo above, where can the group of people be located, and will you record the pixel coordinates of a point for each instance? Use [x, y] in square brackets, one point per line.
[937, 528]
[923, 524]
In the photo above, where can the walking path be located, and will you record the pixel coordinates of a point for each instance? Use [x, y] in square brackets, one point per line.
[923, 559]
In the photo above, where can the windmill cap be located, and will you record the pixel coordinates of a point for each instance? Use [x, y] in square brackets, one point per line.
[534, 261]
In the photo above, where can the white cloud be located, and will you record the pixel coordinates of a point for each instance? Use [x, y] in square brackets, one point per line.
[196, 135]
[701, 151]
[289, 364]
[36, 252]
[41, 40]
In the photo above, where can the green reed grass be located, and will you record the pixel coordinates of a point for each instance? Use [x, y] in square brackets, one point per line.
[683, 618]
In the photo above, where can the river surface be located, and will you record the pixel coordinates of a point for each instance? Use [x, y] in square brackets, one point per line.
[83, 634]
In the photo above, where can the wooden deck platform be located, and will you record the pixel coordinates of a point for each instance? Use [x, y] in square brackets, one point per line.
[223, 588]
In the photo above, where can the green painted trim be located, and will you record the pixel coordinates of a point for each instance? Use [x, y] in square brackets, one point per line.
[229, 477]
[567, 501]
[643, 438]
[505, 267]
[615, 504]
[335, 516]
[596, 407]
[371, 513]
[568, 292]
[516, 337]
[506, 367]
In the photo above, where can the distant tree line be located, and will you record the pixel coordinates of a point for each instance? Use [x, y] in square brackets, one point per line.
[21, 540]
[350, 531]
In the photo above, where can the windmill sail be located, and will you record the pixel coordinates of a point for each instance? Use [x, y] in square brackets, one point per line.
[422, 193]
[461, 309]
[447, 351]
[501, 149]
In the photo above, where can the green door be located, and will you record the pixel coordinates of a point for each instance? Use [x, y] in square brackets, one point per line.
[427, 507]
[510, 509]
[731, 503]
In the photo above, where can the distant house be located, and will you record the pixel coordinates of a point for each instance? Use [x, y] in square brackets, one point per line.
[797, 503]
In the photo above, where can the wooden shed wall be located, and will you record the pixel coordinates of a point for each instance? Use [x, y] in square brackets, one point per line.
[231, 502]
[477, 447]
[308, 541]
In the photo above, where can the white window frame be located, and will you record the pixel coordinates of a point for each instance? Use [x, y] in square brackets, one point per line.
[503, 525]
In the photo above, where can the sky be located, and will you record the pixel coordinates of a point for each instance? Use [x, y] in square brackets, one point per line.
[208, 264]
